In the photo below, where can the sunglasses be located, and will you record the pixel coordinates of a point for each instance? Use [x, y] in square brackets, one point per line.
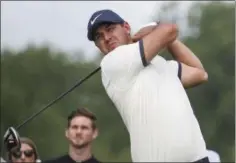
[27, 153]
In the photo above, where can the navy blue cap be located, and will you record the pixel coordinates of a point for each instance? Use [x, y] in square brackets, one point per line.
[99, 17]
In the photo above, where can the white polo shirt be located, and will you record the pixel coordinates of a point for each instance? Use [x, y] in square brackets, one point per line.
[153, 105]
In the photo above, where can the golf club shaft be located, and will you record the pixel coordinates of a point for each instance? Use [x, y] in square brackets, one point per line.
[58, 98]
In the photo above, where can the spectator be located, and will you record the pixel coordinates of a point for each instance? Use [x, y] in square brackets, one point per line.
[27, 153]
[81, 132]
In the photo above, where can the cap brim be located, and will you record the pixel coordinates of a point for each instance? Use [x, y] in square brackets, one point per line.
[96, 26]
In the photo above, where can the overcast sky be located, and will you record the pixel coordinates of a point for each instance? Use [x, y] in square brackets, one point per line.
[64, 24]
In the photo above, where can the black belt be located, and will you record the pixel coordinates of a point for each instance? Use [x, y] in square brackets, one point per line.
[205, 159]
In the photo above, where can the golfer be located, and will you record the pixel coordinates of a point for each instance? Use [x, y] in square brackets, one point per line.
[149, 91]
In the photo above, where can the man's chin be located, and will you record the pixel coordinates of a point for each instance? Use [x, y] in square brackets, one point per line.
[79, 146]
[113, 48]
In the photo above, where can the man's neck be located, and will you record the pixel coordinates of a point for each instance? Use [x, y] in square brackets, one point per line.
[130, 41]
[79, 155]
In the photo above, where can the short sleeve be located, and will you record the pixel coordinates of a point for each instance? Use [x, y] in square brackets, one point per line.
[174, 67]
[170, 66]
[123, 64]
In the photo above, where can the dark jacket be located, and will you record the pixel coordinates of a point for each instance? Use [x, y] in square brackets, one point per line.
[68, 159]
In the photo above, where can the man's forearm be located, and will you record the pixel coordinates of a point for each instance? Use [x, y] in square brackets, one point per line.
[183, 54]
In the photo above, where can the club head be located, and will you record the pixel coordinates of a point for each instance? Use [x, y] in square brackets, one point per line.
[11, 139]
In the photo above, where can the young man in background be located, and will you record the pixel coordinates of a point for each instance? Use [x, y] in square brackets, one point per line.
[81, 131]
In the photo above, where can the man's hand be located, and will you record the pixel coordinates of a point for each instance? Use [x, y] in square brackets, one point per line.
[155, 37]
[143, 32]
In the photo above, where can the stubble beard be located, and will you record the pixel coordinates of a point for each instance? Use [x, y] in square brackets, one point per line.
[81, 146]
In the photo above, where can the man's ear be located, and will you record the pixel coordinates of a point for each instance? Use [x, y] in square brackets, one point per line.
[95, 134]
[127, 27]
[66, 133]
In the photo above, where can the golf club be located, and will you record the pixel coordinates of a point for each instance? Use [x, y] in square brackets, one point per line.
[11, 136]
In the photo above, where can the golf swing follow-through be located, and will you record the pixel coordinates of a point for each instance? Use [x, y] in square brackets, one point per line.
[147, 90]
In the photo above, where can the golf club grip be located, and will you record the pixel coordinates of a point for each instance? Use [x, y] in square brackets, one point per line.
[58, 98]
